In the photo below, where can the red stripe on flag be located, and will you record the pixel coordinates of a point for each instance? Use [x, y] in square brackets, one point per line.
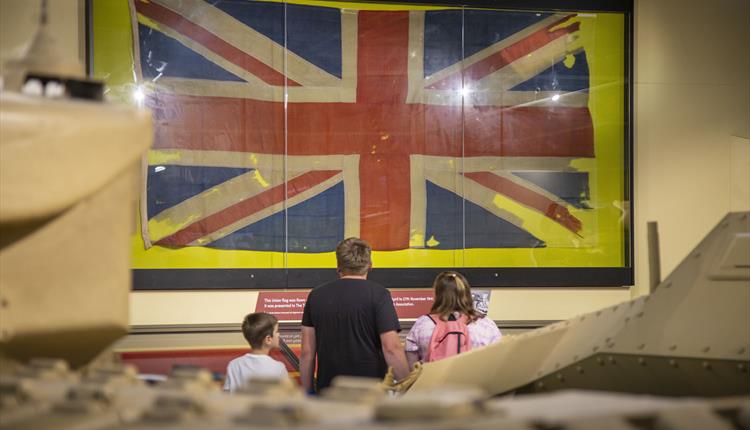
[382, 84]
[243, 125]
[382, 57]
[247, 207]
[199, 34]
[217, 123]
[385, 200]
[527, 197]
[550, 131]
[507, 55]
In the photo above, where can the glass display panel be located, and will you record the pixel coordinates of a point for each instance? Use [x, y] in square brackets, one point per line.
[491, 141]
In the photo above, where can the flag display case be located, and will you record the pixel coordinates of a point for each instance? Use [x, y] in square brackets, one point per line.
[493, 138]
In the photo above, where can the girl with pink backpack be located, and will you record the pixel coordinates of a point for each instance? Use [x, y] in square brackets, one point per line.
[452, 326]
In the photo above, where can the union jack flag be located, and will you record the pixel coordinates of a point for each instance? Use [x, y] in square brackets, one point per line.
[286, 127]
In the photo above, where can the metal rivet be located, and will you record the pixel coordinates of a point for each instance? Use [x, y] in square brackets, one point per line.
[600, 360]
[641, 361]
[741, 367]
[252, 275]
[560, 377]
[672, 363]
[706, 365]
[579, 369]
[497, 274]
[612, 359]
[540, 384]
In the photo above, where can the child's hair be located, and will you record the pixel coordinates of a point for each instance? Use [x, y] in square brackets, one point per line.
[256, 326]
[353, 256]
[453, 293]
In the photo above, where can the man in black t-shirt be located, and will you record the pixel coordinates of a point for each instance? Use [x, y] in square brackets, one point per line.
[350, 324]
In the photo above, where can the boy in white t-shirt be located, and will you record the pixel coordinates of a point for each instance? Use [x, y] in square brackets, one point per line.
[261, 330]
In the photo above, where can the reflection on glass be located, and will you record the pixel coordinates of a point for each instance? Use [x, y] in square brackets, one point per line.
[445, 137]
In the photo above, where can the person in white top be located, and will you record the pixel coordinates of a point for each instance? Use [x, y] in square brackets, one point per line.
[261, 330]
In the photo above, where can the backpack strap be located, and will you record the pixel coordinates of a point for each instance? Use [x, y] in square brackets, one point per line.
[451, 317]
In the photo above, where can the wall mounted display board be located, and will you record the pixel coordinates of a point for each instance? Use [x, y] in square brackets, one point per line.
[493, 139]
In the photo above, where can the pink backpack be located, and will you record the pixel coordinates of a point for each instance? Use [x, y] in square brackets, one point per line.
[449, 337]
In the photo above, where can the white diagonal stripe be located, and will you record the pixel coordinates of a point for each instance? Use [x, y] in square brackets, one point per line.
[250, 41]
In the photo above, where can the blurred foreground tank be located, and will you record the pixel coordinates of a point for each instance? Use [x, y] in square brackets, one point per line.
[69, 167]
[68, 187]
[690, 337]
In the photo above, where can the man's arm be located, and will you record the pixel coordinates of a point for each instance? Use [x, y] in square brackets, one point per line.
[394, 354]
[307, 358]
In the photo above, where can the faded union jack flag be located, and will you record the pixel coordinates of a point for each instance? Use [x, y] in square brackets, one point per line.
[285, 127]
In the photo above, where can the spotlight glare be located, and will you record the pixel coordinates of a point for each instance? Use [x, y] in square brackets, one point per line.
[139, 95]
